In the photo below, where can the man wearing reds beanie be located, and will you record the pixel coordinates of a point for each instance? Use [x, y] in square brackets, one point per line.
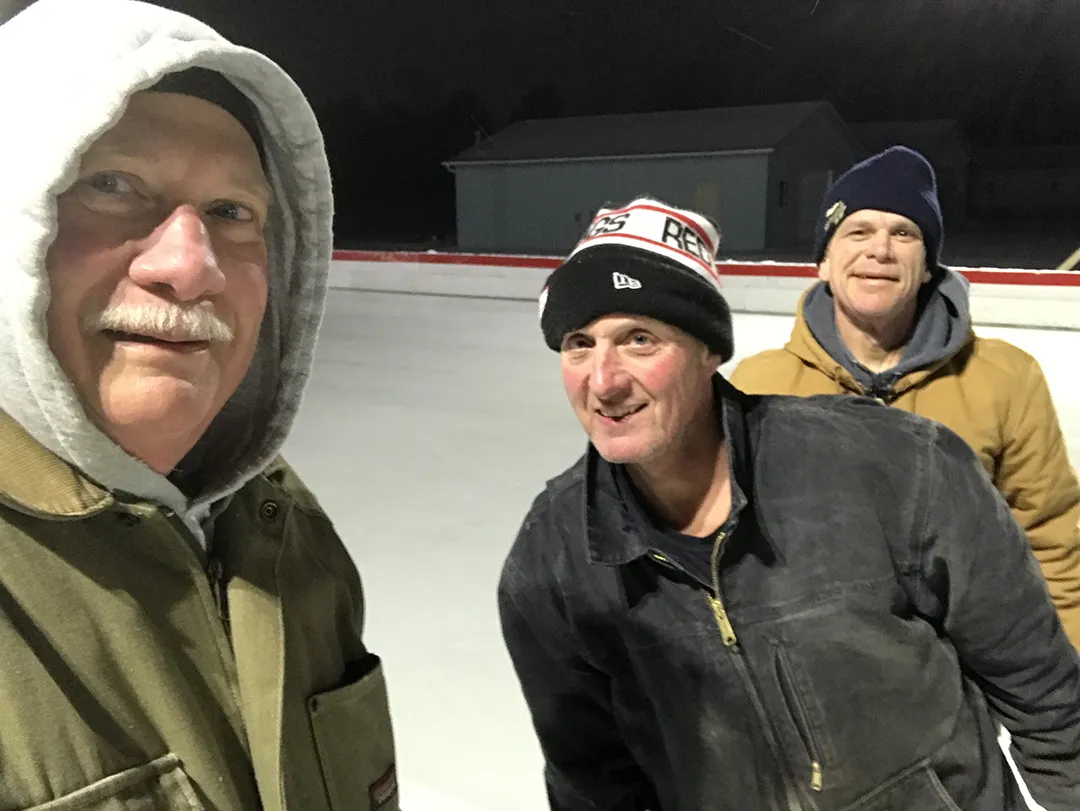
[888, 321]
[739, 602]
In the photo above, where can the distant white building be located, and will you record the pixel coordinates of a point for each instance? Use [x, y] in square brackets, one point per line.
[759, 171]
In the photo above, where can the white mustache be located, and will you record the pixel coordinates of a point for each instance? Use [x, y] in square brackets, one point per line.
[163, 321]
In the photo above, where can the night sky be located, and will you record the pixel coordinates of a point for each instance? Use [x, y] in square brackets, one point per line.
[1001, 64]
[401, 85]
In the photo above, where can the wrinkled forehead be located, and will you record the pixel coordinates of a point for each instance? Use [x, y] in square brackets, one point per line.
[618, 326]
[157, 126]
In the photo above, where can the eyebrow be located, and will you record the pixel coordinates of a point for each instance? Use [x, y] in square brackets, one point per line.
[858, 222]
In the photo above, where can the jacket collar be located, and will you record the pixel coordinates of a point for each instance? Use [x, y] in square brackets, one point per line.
[803, 345]
[612, 537]
[33, 480]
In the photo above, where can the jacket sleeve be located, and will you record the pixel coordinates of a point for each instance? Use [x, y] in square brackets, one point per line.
[980, 581]
[1040, 485]
[588, 767]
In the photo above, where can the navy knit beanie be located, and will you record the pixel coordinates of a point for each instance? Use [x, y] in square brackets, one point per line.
[645, 258]
[899, 180]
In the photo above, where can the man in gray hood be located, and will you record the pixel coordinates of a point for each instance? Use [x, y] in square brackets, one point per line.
[180, 626]
[889, 321]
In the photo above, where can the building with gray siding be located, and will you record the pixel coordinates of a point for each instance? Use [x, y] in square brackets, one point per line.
[759, 171]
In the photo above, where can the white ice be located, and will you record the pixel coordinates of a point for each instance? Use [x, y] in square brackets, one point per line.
[429, 425]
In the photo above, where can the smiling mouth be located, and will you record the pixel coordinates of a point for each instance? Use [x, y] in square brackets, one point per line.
[619, 416]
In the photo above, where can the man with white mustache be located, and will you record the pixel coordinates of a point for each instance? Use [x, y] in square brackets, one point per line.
[180, 625]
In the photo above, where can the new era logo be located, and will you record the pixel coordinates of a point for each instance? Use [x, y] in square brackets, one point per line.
[624, 282]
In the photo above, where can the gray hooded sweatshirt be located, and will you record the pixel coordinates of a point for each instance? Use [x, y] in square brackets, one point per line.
[941, 328]
[56, 102]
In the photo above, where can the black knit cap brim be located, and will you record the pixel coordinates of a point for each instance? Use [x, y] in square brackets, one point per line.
[211, 86]
[582, 290]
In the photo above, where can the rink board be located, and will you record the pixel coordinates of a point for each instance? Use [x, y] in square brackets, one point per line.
[1042, 299]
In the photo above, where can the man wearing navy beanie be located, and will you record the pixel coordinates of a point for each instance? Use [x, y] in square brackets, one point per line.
[889, 321]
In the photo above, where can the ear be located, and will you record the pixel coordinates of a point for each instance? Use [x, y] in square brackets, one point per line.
[823, 268]
[709, 359]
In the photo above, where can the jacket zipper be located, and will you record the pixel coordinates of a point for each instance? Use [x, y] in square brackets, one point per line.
[219, 585]
[215, 570]
[802, 725]
[716, 599]
[727, 632]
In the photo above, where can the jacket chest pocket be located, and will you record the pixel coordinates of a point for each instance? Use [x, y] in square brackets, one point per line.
[354, 740]
[160, 785]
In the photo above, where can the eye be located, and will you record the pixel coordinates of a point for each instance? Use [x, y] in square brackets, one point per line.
[111, 193]
[574, 342]
[111, 183]
[640, 339]
[233, 211]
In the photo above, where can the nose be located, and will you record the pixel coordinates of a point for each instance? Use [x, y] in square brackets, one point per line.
[880, 244]
[609, 378]
[178, 255]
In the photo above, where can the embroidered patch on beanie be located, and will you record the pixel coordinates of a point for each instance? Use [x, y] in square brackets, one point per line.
[645, 258]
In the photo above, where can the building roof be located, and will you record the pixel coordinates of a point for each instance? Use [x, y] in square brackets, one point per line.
[717, 130]
[941, 140]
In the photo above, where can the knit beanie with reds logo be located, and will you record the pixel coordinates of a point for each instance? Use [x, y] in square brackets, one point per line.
[645, 258]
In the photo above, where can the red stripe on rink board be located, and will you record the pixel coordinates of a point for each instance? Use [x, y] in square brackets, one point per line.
[537, 262]
[1031, 278]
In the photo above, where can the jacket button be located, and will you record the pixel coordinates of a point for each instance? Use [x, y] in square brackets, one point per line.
[268, 510]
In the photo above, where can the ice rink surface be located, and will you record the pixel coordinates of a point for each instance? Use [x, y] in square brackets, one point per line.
[429, 426]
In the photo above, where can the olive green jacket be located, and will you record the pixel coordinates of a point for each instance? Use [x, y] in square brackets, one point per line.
[137, 674]
[126, 682]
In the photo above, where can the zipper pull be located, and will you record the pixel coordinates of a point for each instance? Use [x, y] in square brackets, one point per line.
[816, 778]
[727, 632]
